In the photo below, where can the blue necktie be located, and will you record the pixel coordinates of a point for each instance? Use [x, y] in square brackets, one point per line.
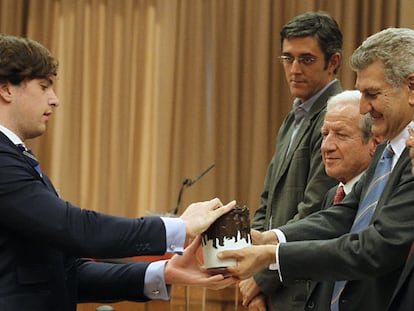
[367, 207]
[30, 158]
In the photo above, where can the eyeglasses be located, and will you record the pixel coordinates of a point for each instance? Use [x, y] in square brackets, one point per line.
[303, 60]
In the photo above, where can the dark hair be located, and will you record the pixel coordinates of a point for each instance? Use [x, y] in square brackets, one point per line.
[319, 25]
[24, 59]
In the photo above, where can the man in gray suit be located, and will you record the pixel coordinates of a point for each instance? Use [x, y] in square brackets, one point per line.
[334, 244]
[296, 181]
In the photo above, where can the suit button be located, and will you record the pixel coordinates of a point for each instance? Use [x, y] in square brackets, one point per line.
[172, 247]
[310, 305]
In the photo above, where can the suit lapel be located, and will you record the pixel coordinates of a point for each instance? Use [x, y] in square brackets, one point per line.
[391, 184]
[283, 145]
[5, 140]
[319, 105]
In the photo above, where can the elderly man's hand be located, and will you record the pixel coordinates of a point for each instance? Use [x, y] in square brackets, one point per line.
[258, 303]
[250, 260]
[249, 290]
[261, 238]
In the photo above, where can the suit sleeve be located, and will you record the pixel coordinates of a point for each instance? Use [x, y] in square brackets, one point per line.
[29, 208]
[259, 219]
[333, 253]
[110, 282]
[318, 183]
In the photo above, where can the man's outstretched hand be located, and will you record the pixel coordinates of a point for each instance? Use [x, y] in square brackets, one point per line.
[186, 270]
[199, 216]
[250, 260]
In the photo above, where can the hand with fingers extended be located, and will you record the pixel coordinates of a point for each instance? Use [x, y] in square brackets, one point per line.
[199, 216]
[186, 270]
[250, 260]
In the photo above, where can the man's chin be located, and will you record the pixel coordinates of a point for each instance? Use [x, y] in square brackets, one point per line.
[37, 133]
[298, 93]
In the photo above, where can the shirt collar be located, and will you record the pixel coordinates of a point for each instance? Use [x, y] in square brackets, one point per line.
[10, 135]
[398, 142]
[350, 184]
[307, 104]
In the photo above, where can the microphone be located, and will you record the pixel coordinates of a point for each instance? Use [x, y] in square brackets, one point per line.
[187, 182]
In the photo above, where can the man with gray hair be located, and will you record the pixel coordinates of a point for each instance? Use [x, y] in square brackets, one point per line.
[345, 129]
[347, 149]
[362, 243]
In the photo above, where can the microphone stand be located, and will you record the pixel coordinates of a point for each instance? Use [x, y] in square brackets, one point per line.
[187, 183]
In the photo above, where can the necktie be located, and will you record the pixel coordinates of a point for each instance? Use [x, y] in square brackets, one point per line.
[367, 207]
[30, 158]
[300, 113]
[340, 194]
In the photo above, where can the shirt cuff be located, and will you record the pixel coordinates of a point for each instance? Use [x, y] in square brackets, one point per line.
[154, 281]
[282, 239]
[277, 264]
[175, 234]
[280, 235]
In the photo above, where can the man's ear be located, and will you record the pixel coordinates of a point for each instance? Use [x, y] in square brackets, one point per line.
[375, 141]
[410, 81]
[334, 61]
[5, 92]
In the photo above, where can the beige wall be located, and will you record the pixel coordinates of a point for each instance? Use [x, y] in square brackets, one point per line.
[406, 13]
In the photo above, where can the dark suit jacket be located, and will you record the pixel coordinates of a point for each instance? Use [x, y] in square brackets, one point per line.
[320, 292]
[403, 297]
[42, 239]
[371, 260]
[295, 182]
[304, 294]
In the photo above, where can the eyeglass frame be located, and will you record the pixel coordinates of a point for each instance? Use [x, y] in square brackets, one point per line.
[306, 60]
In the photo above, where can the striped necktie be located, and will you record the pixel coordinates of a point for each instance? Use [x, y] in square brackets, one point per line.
[367, 207]
[30, 158]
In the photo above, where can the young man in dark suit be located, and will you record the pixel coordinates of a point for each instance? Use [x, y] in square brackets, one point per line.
[296, 182]
[44, 238]
[361, 247]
